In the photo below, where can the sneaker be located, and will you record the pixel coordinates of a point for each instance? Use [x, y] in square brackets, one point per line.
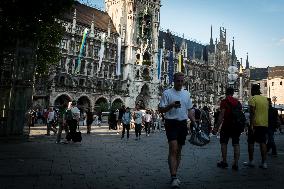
[136, 138]
[263, 166]
[248, 164]
[222, 165]
[175, 183]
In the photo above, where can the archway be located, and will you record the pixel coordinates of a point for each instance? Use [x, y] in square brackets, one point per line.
[117, 103]
[102, 104]
[83, 103]
[62, 99]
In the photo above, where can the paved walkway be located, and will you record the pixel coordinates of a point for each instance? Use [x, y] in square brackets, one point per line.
[103, 160]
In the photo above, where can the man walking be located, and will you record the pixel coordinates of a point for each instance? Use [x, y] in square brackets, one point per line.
[258, 128]
[228, 130]
[176, 104]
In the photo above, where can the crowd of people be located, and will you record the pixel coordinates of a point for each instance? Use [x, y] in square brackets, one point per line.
[175, 112]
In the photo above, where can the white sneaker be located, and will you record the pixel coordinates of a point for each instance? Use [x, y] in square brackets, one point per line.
[175, 183]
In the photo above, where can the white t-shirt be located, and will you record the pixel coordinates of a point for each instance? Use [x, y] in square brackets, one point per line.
[138, 116]
[171, 95]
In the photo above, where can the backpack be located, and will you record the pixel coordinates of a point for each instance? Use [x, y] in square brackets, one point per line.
[238, 117]
[69, 115]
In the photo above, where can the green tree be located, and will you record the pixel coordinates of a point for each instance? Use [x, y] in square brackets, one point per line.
[35, 21]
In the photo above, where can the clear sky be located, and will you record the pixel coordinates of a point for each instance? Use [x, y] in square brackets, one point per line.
[256, 25]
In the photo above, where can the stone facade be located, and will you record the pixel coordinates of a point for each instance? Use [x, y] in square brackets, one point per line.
[275, 84]
[136, 23]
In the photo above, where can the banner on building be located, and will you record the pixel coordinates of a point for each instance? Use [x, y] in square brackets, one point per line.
[171, 68]
[82, 46]
[159, 62]
[180, 62]
[118, 65]
[102, 50]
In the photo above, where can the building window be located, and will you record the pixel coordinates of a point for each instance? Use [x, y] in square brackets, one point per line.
[280, 82]
[272, 83]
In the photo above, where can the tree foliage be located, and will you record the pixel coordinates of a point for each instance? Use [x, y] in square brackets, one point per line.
[33, 20]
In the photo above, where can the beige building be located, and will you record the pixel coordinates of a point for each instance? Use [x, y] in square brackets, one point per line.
[275, 84]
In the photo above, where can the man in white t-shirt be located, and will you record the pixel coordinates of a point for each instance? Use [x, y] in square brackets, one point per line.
[138, 115]
[176, 104]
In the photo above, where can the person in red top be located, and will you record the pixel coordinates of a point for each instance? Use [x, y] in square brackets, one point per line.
[227, 132]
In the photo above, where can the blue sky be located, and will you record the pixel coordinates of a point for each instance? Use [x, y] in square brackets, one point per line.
[256, 25]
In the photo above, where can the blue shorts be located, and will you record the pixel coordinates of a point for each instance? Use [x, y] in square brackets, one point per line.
[176, 130]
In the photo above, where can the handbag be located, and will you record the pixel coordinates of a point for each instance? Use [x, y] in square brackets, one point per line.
[198, 137]
[77, 135]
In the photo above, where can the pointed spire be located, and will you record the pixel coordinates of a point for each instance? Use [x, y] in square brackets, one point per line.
[92, 33]
[247, 62]
[233, 52]
[109, 28]
[229, 47]
[211, 38]
[74, 22]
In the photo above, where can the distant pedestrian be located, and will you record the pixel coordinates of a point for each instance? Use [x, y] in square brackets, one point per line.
[147, 122]
[273, 124]
[258, 129]
[121, 111]
[62, 122]
[89, 120]
[126, 119]
[73, 120]
[138, 115]
[50, 121]
[176, 105]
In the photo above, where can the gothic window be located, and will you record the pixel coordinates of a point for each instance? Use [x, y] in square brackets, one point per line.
[146, 75]
[82, 82]
[62, 80]
[90, 51]
[280, 82]
[70, 65]
[272, 83]
[89, 69]
[62, 65]
[96, 52]
[137, 76]
[95, 68]
[82, 67]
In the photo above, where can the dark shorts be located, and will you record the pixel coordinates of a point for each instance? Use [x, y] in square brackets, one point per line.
[226, 135]
[176, 130]
[259, 135]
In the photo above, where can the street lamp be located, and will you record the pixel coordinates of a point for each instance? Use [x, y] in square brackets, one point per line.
[274, 99]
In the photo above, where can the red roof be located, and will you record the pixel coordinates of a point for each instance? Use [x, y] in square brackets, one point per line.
[84, 16]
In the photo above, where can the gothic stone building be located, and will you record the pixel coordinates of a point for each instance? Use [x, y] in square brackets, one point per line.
[99, 81]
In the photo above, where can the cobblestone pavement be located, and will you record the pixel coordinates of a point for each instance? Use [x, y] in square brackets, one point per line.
[102, 160]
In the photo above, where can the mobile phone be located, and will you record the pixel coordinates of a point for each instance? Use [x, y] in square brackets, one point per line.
[177, 102]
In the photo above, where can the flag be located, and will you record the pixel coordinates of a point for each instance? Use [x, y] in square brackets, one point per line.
[102, 50]
[180, 61]
[118, 65]
[171, 68]
[159, 62]
[77, 70]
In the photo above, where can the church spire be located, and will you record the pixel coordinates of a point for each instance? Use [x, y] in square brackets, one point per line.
[233, 52]
[247, 62]
[211, 38]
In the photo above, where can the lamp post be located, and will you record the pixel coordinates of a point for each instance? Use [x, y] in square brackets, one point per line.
[274, 99]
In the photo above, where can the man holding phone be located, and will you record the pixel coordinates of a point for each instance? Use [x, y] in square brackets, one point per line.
[176, 104]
